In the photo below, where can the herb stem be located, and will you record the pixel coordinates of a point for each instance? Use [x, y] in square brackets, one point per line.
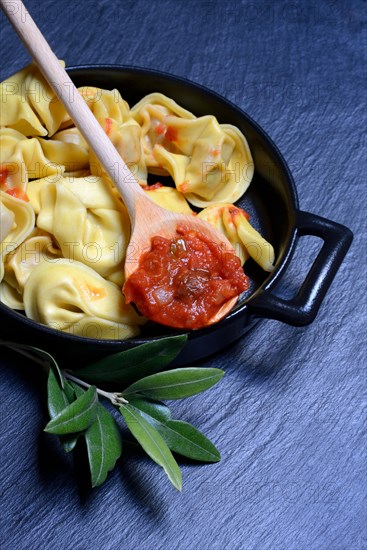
[20, 349]
[115, 398]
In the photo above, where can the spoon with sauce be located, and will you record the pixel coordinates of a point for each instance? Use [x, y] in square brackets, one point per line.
[179, 270]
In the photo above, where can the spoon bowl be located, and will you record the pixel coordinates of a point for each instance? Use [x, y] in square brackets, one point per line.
[164, 223]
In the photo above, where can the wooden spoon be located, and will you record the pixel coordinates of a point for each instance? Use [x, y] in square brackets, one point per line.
[147, 218]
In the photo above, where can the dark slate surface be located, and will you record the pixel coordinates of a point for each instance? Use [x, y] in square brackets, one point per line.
[289, 415]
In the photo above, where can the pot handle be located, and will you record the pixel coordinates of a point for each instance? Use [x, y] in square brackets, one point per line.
[302, 309]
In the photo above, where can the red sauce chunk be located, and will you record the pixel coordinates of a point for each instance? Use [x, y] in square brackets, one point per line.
[183, 282]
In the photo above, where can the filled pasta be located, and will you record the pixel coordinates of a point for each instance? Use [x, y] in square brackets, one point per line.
[17, 222]
[71, 297]
[233, 222]
[208, 162]
[29, 105]
[99, 233]
[168, 198]
[22, 158]
[37, 248]
[10, 297]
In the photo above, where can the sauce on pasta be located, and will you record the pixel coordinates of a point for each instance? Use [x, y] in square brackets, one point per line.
[183, 282]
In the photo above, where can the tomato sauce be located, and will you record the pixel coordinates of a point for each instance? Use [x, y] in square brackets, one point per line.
[183, 282]
[17, 193]
[3, 174]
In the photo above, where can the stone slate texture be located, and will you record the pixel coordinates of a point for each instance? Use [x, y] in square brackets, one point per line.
[289, 416]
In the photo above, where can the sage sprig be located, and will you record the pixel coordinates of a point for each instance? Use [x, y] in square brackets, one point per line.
[77, 414]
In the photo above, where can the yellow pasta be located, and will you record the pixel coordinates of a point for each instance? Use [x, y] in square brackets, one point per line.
[71, 297]
[127, 140]
[209, 162]
[37, 248]
[28, 104]
[99, 231]
[169, 198]
[150, 113]
[10, 297]
[23, 158]
[17, 222]
[246, 241]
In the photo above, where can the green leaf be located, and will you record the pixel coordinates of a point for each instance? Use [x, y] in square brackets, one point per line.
[69, 391]
[175, 384]
[76, 389]
[104, 445]
[152, 443]
[181, 437]
[130, 365]
[185, 439]
[77, 417]
[57, 401]
[156, 409]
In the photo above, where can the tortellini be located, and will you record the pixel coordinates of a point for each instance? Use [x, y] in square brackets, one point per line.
[10, 296]
[98, 233]
[16, 222]
[246, 241]
[112, 112]
[64, 229]
[149, 113]
[71, 297]
[169, 198]
[37, 248]
[22, 159]
[209, 162]
[29, 105]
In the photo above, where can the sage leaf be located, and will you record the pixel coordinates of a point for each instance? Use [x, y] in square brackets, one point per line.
[69, 392]
[77, 416]
[76, 389]
[152, 443]
[155, 409]
[183, 438]
[130, 365]
[57, 401]
[175, 384]
[104, 445]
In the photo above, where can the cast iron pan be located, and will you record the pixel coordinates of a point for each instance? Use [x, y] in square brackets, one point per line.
[272, 204]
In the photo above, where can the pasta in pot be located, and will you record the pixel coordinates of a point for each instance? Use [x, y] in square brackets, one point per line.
[72, 297]
[105, 104]
[37, 248]
[29, 105]
[10, 296]
[22, 159]
[168, 198]
[246, 241]
[150, 112]
[20, 215]
[127, 140]
[209, 162]
[99, 233]
[64, 228]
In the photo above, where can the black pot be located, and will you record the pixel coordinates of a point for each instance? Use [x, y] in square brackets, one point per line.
[272, 203]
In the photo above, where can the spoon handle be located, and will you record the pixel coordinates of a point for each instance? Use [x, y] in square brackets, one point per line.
[75, 105]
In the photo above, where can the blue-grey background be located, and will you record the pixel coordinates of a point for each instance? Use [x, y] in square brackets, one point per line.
[289, 415]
